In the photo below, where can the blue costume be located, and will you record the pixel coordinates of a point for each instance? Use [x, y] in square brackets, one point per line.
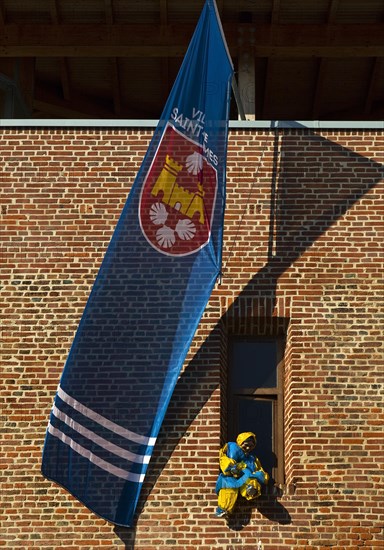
[241, 472]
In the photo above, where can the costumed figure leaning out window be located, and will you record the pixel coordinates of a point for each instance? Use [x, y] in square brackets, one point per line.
[241, 472]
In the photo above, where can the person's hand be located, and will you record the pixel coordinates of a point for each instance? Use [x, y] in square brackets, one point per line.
[235, 470]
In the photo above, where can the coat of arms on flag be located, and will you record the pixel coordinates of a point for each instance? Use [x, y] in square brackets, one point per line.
[178, 196]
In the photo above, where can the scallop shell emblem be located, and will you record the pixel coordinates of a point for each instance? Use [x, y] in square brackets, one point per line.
[165, 236]
[158, 213]
[194, 163]
[185, 229]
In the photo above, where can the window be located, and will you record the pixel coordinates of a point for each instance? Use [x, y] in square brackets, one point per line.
[255, 398]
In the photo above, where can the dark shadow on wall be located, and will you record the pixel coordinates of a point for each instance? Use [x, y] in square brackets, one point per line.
[315, 184]
[318, 181]
[127, 536]
[311, 197]
[267, 504]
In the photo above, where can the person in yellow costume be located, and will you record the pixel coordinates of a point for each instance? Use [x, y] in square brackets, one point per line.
[241, 472]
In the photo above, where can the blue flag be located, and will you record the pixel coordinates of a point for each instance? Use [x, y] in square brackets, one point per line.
[151, 290]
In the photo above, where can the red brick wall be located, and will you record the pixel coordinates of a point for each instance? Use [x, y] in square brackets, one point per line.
[301, 256]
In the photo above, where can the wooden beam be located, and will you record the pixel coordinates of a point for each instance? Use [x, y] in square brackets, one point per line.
[114, 62]
[317, 96]
[164, 83]
[277, 52]
[164, 12]
[246, 83]
[116, 86]
[27, 80]
[2, 22]
[63, 61]
[7, 67]
[246, 69]
[268, 87]
[376, 70]
[109, 16]
[332, 11]
[275, 12]
[281, 41]
[54, 12]
[93, 52]
[64, 78]
[2, 15]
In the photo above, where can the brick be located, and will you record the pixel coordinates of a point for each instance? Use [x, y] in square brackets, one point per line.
[61, 195]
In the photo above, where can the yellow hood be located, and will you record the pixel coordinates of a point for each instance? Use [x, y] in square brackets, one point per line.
[243, 436]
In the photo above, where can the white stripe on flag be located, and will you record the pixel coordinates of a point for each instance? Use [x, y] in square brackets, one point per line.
[103, 464]
[115, 449]
[127, 434]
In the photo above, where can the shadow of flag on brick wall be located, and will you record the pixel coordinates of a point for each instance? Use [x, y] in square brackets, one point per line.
[149, 295]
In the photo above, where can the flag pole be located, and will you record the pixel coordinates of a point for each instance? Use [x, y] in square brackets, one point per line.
[235, 89]
[222, 31]
[239, 103]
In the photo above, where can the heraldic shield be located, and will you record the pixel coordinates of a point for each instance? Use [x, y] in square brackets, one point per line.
[178, 196]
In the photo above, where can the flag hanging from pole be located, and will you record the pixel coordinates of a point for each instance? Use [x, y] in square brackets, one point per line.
[151, 290]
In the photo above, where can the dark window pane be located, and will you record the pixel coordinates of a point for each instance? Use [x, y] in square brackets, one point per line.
[256, 415]
[254, 364]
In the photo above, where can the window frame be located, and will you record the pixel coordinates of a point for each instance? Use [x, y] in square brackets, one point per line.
[274, 395]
